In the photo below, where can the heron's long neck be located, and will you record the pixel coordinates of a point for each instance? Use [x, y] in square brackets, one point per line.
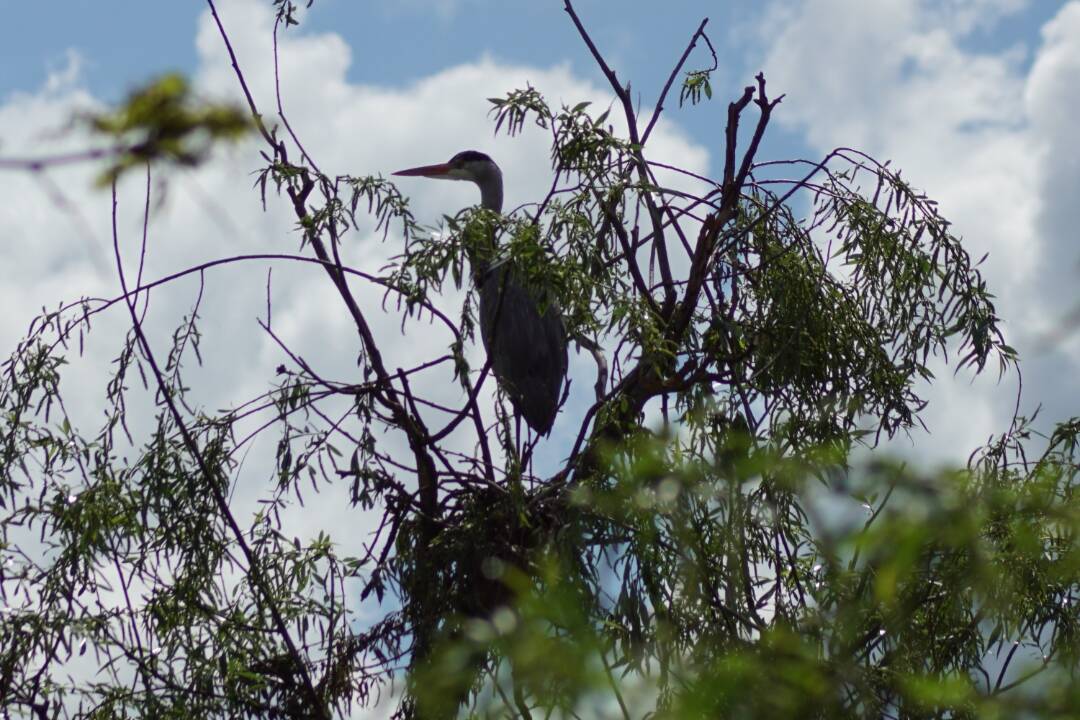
[491, 198]
[491, 192]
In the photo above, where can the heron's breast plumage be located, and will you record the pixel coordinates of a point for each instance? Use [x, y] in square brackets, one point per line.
[527, 348]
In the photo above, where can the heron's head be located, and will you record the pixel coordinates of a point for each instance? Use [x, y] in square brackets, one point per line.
[468, 165]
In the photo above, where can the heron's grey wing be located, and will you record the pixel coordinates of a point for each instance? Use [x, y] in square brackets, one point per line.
[527, 351]
[555, 342]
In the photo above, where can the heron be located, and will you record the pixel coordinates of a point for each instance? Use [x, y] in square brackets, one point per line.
[525, 346]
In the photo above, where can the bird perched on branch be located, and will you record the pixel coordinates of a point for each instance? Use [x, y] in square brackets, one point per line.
[526, 347]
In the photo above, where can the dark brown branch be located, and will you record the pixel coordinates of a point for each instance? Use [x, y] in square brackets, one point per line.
[211, 481]
[623, 93]
[699, 33]
[255, 114]
[731, 136]
[615, 223]
[34, 164]
[106, 303]
[410, 423]
[655, 375]
[280, 108]
[732, 191]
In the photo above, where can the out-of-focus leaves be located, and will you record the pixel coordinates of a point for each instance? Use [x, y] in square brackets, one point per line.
[164, 122]
[916, 612]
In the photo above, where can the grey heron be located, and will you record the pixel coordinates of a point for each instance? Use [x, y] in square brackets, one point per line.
[526, 347]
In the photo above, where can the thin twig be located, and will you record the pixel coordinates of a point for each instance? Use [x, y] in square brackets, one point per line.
[211, 482]
[699, 33]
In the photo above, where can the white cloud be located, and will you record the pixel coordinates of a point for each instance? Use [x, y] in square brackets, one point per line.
[965, 16]
[365, 129]
[1052, 97]
[67, 76]
[988, 138]
[60, 251]
[214, 212]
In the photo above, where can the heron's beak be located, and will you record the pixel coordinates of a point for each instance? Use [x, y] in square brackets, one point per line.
[429, 171]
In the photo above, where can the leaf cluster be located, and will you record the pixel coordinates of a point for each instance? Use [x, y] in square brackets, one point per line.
[163, 122]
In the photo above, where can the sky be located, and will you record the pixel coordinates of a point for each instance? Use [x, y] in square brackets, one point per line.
[972, 99]
[975, 100]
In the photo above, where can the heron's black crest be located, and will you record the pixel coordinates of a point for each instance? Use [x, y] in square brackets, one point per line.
[469, 156]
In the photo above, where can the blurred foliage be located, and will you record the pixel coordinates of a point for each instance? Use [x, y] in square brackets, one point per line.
[765, 592]
[163, 122]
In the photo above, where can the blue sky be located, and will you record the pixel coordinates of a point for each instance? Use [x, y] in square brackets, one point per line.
[971, 97]
[122, 42]
[395, 43]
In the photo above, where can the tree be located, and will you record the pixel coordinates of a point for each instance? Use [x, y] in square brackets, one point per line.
[694, 565]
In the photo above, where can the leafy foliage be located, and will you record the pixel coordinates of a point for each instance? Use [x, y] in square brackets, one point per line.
[163, 122]
[708, 548]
